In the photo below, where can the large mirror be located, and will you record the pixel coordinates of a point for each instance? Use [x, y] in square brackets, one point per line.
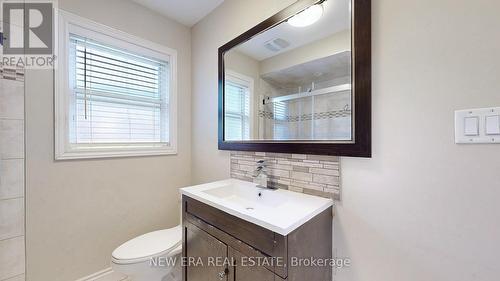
[290, 84]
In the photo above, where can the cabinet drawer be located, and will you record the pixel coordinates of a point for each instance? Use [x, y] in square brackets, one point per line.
[258, 237]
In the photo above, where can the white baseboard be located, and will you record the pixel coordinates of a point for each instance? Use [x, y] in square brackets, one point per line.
[104, 275]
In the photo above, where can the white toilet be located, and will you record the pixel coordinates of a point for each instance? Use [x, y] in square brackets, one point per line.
[150, 257]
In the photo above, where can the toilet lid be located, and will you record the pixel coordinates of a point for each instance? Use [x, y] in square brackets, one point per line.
[149, 245]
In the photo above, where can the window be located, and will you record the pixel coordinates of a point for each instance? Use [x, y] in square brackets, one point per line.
[238, 107]
[116, 93]
[281, 124]
[118, 97]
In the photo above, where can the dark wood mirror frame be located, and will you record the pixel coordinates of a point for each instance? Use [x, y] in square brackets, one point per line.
[361, 77]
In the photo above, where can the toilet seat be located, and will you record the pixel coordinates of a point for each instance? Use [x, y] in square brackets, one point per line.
[157, 243]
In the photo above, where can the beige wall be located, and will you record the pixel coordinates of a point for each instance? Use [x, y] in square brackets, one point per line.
[79, 211]
[229, 20]
[422, 208]
[242, 64]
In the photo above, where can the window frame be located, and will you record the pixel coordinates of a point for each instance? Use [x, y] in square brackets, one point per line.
[70, 23]
[238, 78]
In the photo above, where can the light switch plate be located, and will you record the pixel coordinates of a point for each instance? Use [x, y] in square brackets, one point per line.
[493, 125]
[477, 125]
[471, 126]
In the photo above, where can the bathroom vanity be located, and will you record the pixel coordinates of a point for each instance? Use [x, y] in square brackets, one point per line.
[297, 83]
[233, 230]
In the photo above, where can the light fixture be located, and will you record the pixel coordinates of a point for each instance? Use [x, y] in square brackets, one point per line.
[307, 17]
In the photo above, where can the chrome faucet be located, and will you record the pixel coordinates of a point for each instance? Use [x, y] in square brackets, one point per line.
[261, 176]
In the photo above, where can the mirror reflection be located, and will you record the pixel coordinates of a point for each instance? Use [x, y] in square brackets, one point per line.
[293, 81]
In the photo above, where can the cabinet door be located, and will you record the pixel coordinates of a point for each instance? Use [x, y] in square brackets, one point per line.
[244, 272]
[202, 253]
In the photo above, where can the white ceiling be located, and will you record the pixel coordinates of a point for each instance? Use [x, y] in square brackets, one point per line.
[187, 12]
[320, 70]
[336, 18]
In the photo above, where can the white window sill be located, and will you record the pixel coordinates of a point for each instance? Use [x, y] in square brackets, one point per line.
[93, 152]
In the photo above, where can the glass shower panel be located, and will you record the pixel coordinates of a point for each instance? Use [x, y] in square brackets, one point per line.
[315, 117]
[332, 116]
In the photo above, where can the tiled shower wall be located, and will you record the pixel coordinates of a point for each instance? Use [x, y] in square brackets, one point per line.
[319, 117]
[310, 174]
[12, 242]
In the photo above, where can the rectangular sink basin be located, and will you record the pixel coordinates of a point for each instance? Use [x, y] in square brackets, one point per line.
[281, 211]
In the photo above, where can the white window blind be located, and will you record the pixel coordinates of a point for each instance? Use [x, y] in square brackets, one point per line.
[237, 111]
[117, 96]
[281, 129]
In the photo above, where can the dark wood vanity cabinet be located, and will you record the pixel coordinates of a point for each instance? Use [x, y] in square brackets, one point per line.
[218, 246]
[204, 246]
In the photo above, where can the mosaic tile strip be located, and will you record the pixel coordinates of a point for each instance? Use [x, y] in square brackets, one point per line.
[306, 117]
[16, 74]
[311, 174]
[10, 73]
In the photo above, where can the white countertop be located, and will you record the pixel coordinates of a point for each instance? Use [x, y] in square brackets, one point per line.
[281, 211]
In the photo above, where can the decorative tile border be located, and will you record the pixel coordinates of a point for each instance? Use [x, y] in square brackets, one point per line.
[311, 174]
[9, 73]
[306, 117]
[16, 74]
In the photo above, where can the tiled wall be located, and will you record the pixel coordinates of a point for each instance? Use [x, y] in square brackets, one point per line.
[12, 243]
[311, 174]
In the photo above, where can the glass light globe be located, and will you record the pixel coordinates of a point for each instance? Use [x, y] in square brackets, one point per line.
[307, 17]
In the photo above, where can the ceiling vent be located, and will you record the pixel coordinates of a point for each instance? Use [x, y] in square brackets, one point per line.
[276, 45]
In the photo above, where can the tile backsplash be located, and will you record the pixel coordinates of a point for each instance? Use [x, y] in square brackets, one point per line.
[310, 174]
